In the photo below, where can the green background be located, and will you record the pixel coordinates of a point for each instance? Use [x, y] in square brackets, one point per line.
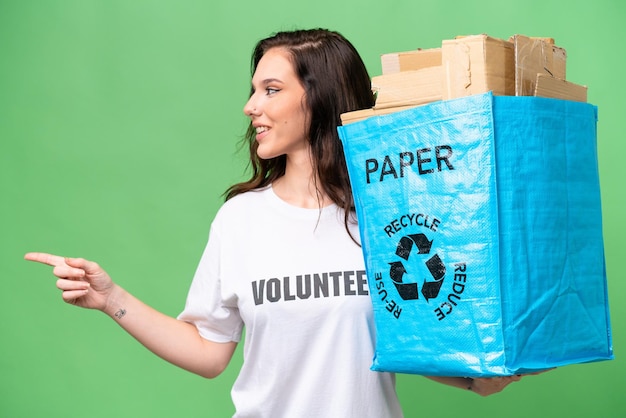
[119, 124]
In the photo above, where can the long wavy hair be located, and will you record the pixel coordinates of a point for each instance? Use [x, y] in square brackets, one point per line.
[335, 81]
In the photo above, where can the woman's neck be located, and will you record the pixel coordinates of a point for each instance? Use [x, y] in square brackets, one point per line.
[300, 186]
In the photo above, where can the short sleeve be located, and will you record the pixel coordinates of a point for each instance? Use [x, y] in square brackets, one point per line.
[214, 313]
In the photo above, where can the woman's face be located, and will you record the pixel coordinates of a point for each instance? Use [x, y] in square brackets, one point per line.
[277, 107]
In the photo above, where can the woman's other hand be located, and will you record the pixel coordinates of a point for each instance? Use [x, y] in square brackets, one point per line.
[83, 283]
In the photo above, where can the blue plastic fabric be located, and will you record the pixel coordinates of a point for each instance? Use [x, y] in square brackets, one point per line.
[481, 229]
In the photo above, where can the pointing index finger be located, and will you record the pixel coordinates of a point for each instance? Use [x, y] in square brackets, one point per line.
[44, 258]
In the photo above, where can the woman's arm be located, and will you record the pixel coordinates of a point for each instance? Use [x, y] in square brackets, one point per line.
[85, 284]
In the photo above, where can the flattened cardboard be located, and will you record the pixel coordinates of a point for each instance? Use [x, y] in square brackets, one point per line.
[477, 64]
[408, 87]
[410, 60]
[357, 115]
[546, 86]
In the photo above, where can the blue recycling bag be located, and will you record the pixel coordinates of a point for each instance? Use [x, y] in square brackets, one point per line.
[481, 230]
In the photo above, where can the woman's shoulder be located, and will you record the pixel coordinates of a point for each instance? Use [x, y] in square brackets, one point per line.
[243, 202]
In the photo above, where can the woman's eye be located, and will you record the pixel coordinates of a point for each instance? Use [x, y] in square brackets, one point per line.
[270, 91]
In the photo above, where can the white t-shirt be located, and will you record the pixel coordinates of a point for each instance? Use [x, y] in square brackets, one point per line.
[297, 282]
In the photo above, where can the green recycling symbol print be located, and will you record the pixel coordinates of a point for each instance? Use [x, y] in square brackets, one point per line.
[434, 265]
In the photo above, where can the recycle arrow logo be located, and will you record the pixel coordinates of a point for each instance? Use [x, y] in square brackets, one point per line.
[410, 291]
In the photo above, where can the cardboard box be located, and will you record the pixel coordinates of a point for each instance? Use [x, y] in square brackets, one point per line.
[547, 86]
[469, 65]
[408, 87]
[410, 60]
[536, 56]
[477, 64]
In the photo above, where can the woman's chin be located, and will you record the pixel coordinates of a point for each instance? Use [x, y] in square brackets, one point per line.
[266, 154]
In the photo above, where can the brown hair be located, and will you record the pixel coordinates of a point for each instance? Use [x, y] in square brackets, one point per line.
[335, 81]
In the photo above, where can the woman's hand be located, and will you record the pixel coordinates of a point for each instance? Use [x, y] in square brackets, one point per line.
[485, 386]
[82, 282]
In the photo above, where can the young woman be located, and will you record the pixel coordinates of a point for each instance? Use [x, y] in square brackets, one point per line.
[282, 258]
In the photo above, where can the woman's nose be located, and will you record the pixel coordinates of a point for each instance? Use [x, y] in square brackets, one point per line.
[250, 107]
